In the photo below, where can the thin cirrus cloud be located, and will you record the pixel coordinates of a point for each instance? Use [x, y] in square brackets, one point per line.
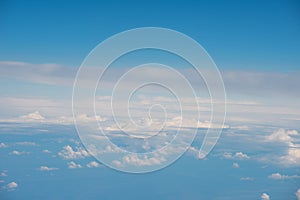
[45, 168]
[255, 83]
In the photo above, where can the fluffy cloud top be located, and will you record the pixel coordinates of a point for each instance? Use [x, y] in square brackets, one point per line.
[283, 136]
[237, 155]
[73, 165]
[265, 196]
[35, 116]
[68, 153]
[292, 155]
[93, 164]
[11, 186]
[298, 194]
[2, 145]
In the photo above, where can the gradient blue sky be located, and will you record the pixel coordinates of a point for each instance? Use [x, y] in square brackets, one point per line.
[255, 44]
[262, 35]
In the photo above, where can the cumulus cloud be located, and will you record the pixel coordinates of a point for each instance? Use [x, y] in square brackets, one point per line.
[265, 196]
[3, 173]
[237, 155]
[34, 116]
[136, 160]
[46, 151]
[278, 176]
[235, 165]
[2, 145]
[283, 136]
[11, 186]
[68, 153]
[73, 165]
[298, 194]
[45, 168]
[286, 138]
[93, 164]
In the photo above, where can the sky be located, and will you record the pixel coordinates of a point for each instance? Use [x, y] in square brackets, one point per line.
[255, 46]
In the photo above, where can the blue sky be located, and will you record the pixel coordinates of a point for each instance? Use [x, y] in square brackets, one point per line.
[255, 45]
[261, 35]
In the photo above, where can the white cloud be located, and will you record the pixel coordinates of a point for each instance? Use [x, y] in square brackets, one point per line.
[265, 196]
[278, 176]
[237, 155]
[34, 116]
[45, 168]
[68, 153]
[18, 153]
[73, 165]
[298, 194]
[135, 160]
[11, 186]
[246, 179]
[3, 174]
[46, 151]
[236, 165]
[283, 136]
[93, 164]
[291, 157]
[26, 143]
[2, 145]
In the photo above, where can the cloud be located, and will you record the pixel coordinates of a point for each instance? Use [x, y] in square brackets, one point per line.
[278, 176]
[18, 153]
[298, 194]
[68, 153]
[11, 186]
[265, 196]
[246, 179]
[286, 138]
[26, 143]
[237, 155]
[283, 136]
[49, 73]
[93, 164]
[236, 165]
[45, 168]
[73, 165]
[134, 159]
[46, 151]
[2, 145]
[3, 174]
[34, 116]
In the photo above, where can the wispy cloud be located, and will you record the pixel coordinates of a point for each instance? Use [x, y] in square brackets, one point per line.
[45, 168]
